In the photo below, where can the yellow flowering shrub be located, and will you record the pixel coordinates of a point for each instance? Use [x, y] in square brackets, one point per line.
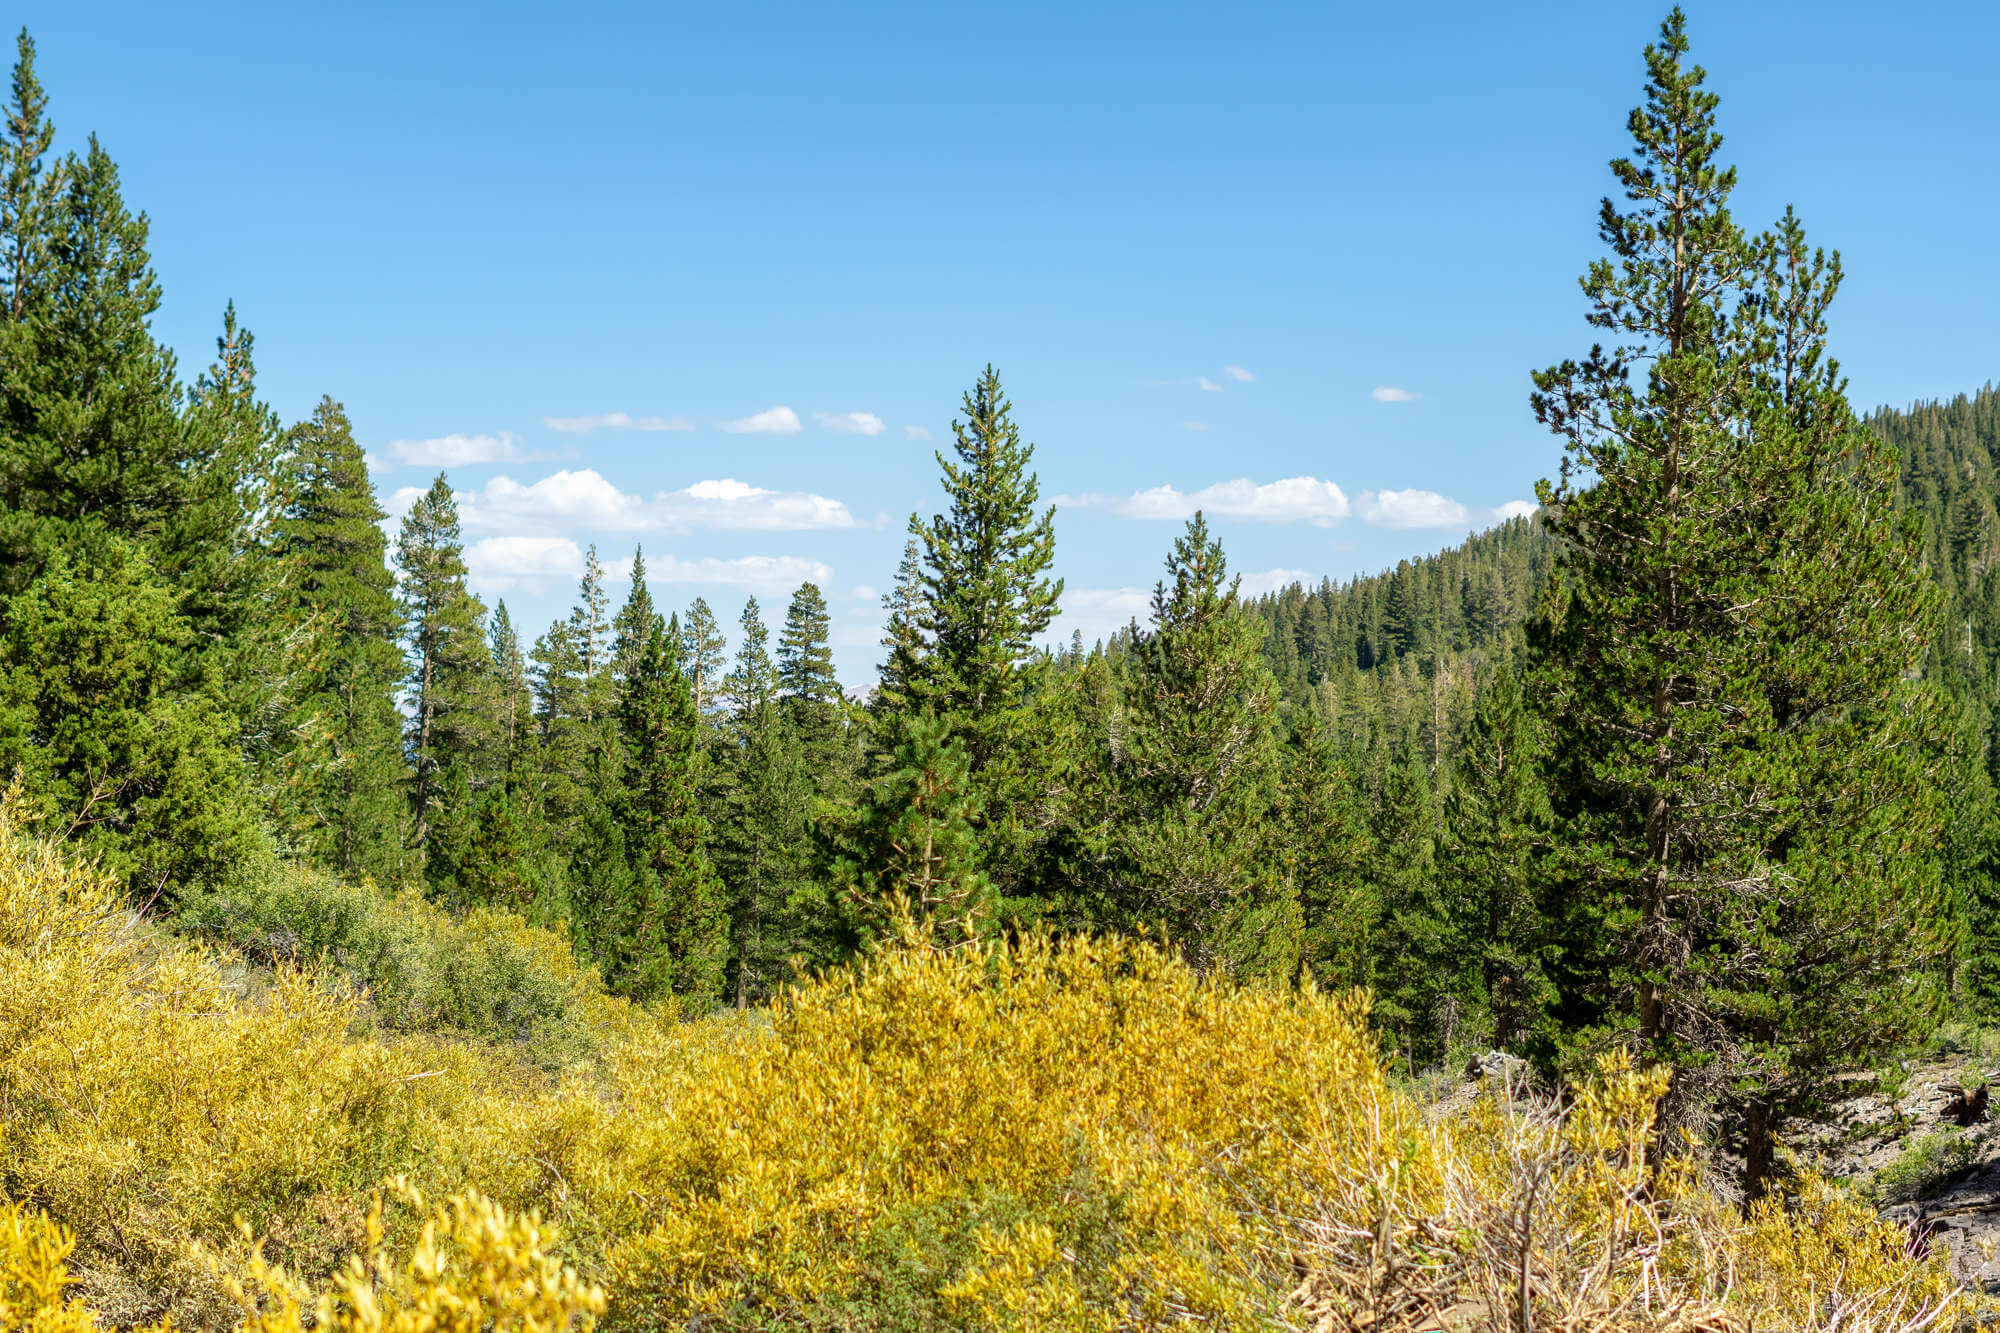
[1041, 1135]
[971, 1115]
[34, 1276]
[474, 1267]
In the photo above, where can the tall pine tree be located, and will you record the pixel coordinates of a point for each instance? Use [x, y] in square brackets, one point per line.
[1745, 778]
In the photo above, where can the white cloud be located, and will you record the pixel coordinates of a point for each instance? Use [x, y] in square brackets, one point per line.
[507, 564]
[1207, 385]
[615, 421]
[456, 450]
[1238, 373]
[1515, 509]
[771, 421]
[850, 423]
[917, 432]
[1100, 612]
[1412, 509]
[865, 592]
[377, 464]
[1291, 500]
[1389, 394]
[1271, 580]
[1194, 425]
[763, 575]
[565, 501]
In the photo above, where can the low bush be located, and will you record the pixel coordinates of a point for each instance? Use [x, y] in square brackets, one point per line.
[487, 974]
[1927, 1164]
[1047, 1135]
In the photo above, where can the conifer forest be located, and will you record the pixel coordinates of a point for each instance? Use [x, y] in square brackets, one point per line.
[1512, 939]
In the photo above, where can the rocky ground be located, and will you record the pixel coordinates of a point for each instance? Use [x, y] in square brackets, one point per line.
[1911, 1155]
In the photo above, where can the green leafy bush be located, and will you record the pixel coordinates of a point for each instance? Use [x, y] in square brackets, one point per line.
[1928, 1163]
[487, 974]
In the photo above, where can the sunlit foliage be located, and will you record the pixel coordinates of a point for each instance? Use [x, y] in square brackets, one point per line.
[1077, 1135]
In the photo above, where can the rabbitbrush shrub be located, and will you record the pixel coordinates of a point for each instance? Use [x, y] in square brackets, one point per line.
[1043, 1135]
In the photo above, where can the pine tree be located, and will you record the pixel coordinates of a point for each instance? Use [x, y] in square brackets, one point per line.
[1419, 995]
[121, 736]
[1745, 778]
[917, 854]
[811, 692]
[985, 599]
[514, 697]
[902, 634]
[763, 843]
[576, 691]
[1328, 853]
[27, 190]
[449, 664]
[702, 650]
[344, 763]
[1199, 761]
[92, 445]
[1495, 821]
[633, 622]
[985, 595]
[676, 938]
[753, 685]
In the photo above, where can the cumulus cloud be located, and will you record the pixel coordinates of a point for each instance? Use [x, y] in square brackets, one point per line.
[1099, 612]
[917, 432]
[1238, 373]
[456, 450]
[1412, 509]
[1291, 500]
[509, 564]
[850, 423]
[1514, 509]
[865, 592]
[771, 421]
[1271, 580]
[614, 421]
[568, 500]
[763, 575]
[1389, 394]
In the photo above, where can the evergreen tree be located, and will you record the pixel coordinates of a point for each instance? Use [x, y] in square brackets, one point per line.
[675, 938]
[27, 190]
[753, 685]
[702, 650]
[763, 847]
[902, 634]
[576, 692]
[1419, 992]
[985, 598]
[91, 439]
[514, 698]
[1496, 817]
[1197, 772]
[633, 622]
[449, 663]
[1327, 854]
[1745, 778]
[917, 851]
[812, 698]
[343, 767]
[121, 736]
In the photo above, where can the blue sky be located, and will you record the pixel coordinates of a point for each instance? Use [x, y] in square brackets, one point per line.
[713, 278]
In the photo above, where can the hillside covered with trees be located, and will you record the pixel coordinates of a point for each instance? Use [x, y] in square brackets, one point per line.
[1038, 988]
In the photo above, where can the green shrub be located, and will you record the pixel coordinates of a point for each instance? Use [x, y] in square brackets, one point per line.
[488, 974]
[1928, 1163]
